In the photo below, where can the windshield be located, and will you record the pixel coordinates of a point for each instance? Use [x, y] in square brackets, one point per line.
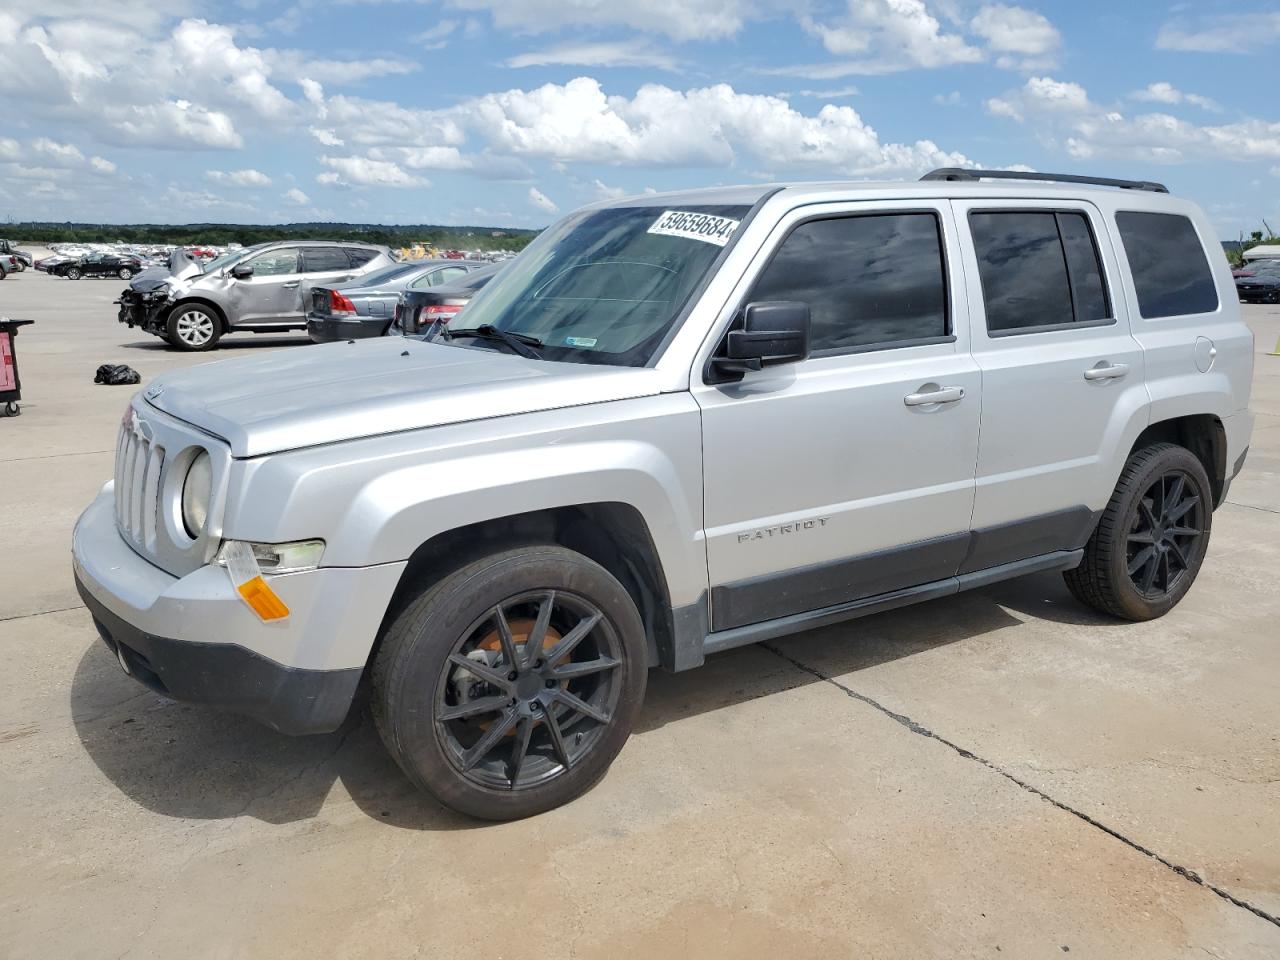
[229, 258]
[604, 286]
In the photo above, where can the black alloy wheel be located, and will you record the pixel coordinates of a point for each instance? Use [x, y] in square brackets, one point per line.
[1167, 529]
[507, 686]
[1147, 548]
[529, 690]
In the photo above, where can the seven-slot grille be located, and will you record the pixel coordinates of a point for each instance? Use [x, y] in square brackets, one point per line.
[138, 465]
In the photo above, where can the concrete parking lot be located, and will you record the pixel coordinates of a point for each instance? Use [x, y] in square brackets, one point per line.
[1001, 773]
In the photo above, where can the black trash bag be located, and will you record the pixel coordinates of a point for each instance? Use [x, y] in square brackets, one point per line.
[115, 374]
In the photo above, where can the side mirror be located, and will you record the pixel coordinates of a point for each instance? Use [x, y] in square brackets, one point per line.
[242, 271]
[772, 332]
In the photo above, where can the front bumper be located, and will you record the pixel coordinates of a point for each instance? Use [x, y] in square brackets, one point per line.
[227, 677]
[325, 328]
[145, 310]
[191, 638]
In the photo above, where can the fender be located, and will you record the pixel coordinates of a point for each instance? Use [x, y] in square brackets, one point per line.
[396, 492]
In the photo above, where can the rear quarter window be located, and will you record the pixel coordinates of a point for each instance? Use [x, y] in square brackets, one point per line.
[1171, 274]
[360, 255]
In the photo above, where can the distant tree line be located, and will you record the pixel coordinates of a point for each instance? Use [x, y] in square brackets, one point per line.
[220, 234]
[1235, 249]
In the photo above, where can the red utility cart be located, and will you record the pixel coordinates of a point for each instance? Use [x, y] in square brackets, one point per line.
[10, 385]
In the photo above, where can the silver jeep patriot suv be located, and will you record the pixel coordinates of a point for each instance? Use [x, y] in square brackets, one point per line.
[674, 425]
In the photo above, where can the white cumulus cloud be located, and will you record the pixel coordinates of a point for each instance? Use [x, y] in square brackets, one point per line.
[1022, 39]
[1221, 32]
[372, 173]
[884, 36]
[294, 195]
[1087, 130]
[622, 53]
[1165, 92]
[239, 178]
[677, 19]
[542, 201]
[60, 152]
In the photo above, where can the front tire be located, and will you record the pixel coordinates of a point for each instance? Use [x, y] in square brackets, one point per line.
[73, 273]
[1151, 540]
[508, 687]
[193, 328]
[125, 273]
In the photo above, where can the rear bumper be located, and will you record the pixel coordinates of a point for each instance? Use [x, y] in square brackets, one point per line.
[1239, 431]
[323, 328]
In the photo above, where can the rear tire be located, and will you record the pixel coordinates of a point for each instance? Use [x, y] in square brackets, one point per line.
[486, 744]
[193, 327]
[73, 273]
[1149, 544]
[125, 273]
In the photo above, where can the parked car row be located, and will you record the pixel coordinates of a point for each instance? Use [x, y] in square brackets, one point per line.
[97, 265]
[259, 289]
[13, 260]
[334, 291]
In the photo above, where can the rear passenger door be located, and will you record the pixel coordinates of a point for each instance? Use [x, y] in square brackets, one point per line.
[1062, 375]
[850, 474]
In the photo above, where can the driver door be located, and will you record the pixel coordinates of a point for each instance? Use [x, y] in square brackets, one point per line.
[850, 474]
[272, 295]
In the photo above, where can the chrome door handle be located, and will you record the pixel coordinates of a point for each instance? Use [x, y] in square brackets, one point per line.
[1107, 371]
[938, 395]
[291, 284]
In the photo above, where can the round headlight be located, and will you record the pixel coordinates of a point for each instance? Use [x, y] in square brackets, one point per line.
[197, 488]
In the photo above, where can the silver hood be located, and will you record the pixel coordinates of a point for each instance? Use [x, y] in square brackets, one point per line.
[180, 266]
[342, 391]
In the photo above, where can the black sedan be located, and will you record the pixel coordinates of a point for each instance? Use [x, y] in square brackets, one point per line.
[337, 315]
[98, 265]
[418, 310]
[1261, 283]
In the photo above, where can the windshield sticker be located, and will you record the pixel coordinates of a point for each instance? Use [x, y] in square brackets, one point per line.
[695, 226]
[580, 341]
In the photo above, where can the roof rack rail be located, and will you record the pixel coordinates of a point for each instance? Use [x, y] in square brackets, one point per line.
[961, 173]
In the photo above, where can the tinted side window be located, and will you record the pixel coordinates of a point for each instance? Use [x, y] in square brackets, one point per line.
[1023, 270]
[1088, 291]
[325, 259]
[360, 255]
[868, 280]
[1170, 272]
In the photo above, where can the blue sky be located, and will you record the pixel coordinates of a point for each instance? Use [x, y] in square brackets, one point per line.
[508, 112]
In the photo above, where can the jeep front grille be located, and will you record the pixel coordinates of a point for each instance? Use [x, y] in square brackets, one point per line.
[137, 476]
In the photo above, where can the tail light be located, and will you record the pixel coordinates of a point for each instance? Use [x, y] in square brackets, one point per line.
[339, 303]
[438, 313]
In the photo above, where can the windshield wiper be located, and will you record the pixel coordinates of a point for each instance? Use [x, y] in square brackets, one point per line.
[521, 343]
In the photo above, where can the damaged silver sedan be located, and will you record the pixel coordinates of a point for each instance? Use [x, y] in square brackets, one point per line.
[260, 289]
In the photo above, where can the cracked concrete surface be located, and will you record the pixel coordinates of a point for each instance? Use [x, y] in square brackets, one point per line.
[769, 804]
